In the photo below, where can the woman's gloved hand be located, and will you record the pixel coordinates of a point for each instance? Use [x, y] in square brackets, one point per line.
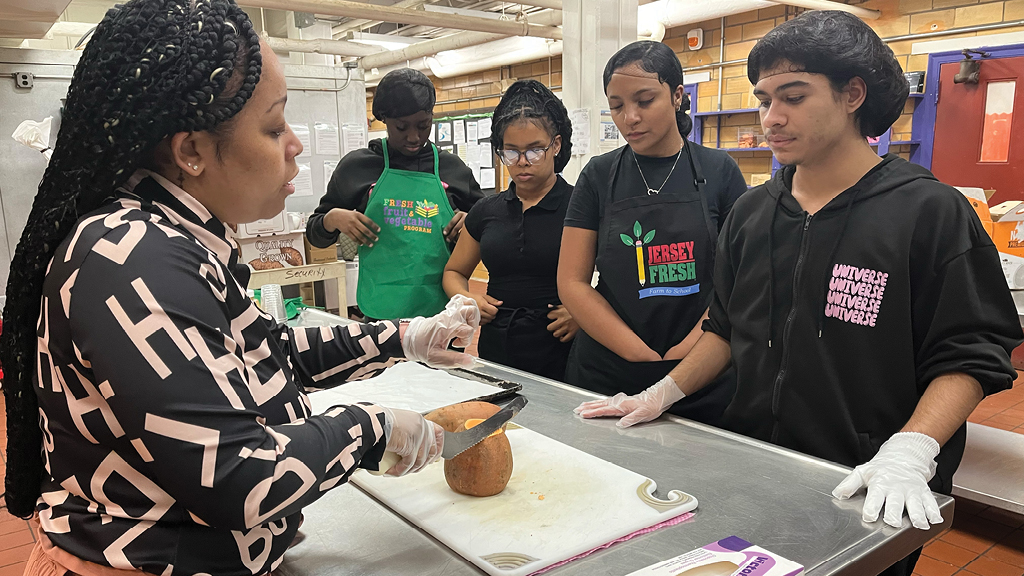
[426, 339]
[415, 439]
[897, 476]
[643, 407]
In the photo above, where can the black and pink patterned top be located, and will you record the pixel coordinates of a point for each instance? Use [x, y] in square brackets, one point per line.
[177, 436]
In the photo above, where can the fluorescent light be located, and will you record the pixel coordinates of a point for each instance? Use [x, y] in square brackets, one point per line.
[388, 41]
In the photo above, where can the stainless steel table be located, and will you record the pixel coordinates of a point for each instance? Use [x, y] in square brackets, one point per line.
[775, 498]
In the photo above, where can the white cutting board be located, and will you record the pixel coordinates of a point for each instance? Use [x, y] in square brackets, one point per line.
[587, 502]
[406, 386]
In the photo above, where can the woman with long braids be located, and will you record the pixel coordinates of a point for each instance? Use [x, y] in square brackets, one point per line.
[156, 417]
[648, 214]
[517, 234]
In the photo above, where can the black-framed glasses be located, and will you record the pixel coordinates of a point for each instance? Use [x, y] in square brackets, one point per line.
[533, 155]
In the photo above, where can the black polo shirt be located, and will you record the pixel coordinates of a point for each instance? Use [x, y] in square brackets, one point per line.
[520, 249]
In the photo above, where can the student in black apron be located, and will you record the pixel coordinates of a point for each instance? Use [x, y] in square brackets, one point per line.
[517, 233]
[648, 214]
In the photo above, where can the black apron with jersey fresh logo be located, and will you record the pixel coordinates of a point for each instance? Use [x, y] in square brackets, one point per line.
[655, 255]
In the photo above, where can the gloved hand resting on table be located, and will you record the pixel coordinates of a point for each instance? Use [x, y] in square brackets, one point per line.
[417, 440]
[898, 475]
[643, 407]
[426, 339]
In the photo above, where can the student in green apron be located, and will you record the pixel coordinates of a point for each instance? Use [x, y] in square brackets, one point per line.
[517, 234]
[402, 200]
[648, 214]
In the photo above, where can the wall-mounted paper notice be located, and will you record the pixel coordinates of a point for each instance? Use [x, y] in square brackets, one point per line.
[459, 130]
[483, 127]
[304, 180]
[486, 157]
[471, 132]
[355, 137]
[444, 132]
[580, 118]
[486, 178]
[328, 142]
[433, 130]
[302, 131]
[476, 172]
[329, 167]
[472, 154]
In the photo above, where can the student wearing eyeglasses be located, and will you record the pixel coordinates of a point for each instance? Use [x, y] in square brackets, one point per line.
[402, 200]
[517, 234]
[648, 215]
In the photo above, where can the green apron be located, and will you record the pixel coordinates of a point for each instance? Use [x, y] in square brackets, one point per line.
[400, 275]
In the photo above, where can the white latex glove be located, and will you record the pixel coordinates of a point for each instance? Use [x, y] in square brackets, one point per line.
[426, 339]
[898, 475]
[643, 407]
[417, 440]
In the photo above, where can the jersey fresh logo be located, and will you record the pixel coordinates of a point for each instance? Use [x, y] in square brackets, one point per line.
[639, 244]
[665, 263]
[855, 294]
[406, 215]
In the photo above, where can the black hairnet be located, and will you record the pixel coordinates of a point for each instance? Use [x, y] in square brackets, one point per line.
[529, 99]
[403, 92]
[839, 46]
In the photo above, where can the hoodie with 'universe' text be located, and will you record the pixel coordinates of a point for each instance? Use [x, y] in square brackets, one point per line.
[838, 321]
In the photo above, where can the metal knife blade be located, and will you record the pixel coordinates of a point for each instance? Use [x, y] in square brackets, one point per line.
[456, 443]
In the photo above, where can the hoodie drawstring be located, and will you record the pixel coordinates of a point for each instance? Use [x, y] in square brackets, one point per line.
[771, 270]
[831, 258]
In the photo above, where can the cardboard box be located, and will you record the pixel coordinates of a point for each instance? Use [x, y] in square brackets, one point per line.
[272, 251]
[316, 255]
[730, 556]
[1000, 210]
[978, 199]
[1008, 232]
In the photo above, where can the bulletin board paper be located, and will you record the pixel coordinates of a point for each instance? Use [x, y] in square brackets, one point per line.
[444, 132]
[459, 131]
[304, 180]
[302, 132]
[355, 137]
[483, 128]
[328, 142]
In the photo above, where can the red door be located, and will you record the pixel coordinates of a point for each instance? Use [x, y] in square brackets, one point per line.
[979, 133]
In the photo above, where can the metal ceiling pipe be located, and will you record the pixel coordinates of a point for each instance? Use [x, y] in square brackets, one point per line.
[321, 46]
[406, 16]
[360, 23]
[552, 4]
[862, 13]
[452, 42]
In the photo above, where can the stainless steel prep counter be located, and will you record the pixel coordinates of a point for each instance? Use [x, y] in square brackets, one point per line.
[773, 497]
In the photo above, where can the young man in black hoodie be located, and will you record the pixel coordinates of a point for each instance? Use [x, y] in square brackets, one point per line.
[860, 299]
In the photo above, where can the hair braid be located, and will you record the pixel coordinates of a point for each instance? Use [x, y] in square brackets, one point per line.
[532, 100]
[153, 68]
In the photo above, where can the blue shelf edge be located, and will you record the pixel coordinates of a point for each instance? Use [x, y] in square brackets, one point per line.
[727, 112]
[904, 142]
[744, 149]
